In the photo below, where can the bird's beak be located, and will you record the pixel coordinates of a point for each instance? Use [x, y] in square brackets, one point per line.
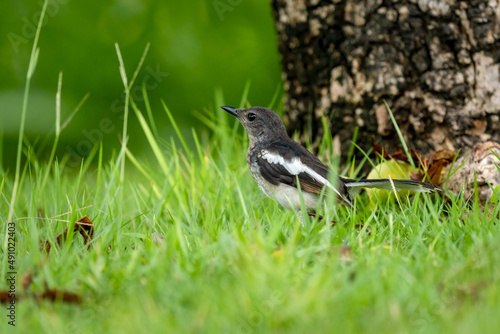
[230, 110]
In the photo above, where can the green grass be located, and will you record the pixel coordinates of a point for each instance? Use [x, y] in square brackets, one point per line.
[232, 260]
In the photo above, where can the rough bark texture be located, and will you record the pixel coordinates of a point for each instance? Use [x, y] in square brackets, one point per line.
[479, 169]
[436, 63]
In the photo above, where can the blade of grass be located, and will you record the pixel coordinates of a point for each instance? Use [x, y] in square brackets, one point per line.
[148, 110]
[123, 75]
[31, 69]
[400, 135]
[353, 141]
[127, 86]
[139, 66]
[198, 145]
[498, 157]
[275, 97]
[176, 128]
[77, 108]
[99, 165]
[143, 171]
[151, 139]
[303, 210]
[1, 149]
[58, 104]
[58, 130]
[88, 159]
[244, 97]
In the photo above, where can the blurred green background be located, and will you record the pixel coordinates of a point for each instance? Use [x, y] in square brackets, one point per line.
[196, 47]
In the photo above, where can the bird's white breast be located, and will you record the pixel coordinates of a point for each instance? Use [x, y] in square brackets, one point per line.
[287, 196]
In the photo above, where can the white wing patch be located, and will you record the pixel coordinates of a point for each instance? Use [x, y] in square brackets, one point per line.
[295, 167]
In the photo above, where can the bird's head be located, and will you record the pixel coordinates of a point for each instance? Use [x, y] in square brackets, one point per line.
[261, 124]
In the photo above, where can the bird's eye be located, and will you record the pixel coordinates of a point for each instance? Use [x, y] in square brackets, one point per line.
[251, 117]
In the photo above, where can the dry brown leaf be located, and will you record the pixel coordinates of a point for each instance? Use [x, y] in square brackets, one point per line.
[379, 150]
[58, 295]
[83, 225]
[49, 294]
[430, 169]
[26, 280]
[345, 252]
[417, 176]
[4, 297]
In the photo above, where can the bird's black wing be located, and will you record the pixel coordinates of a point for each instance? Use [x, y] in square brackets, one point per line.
[283, 161]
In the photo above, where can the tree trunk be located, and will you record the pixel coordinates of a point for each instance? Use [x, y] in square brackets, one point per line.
[435, 62]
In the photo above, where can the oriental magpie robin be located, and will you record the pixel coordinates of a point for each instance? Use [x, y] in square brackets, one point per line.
[276, 162]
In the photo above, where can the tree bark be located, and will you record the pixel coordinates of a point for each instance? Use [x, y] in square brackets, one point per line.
[435, 62]
[478, 172]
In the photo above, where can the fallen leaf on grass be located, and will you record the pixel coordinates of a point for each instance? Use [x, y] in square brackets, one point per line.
[49, 294]
[428, 169]
[345, 252]
[4, 297]
[26, 280]
[58, 295]
[86, 229]
[467, 291]
[83, 225]
[472, 290]
[381, 152]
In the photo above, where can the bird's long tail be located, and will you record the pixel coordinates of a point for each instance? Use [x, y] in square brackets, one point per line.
[355, 186]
